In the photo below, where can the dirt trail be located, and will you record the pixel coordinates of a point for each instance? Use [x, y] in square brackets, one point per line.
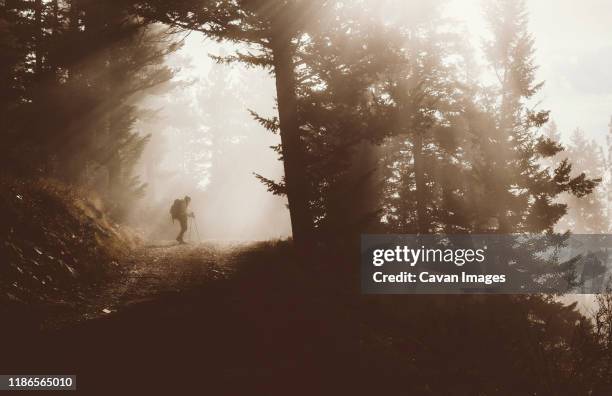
[151, 271]
[165, 268]
[236, 316]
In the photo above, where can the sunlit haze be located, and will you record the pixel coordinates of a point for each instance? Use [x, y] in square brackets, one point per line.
[209, 136]
[573, 52]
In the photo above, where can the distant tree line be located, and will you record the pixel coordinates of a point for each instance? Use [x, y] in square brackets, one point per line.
[593, 213]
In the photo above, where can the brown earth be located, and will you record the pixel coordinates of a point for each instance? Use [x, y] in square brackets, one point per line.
[209, 318]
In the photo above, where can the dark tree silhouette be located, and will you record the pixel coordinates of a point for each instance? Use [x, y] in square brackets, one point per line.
[75, 72]
[271, 29]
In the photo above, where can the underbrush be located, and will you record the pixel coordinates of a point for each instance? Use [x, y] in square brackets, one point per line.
[420, 344]
[56, 241]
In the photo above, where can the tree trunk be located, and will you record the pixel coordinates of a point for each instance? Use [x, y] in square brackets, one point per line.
[74, 16]
[419, 174]
[39, 38]
[295, 175]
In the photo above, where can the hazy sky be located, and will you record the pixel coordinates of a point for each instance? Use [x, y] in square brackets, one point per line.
[574, 51]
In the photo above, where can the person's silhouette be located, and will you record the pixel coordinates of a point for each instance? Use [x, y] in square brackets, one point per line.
[182, 215]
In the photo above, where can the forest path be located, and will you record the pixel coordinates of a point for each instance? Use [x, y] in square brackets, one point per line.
[161, 268]
[156, 269]
[235, 316]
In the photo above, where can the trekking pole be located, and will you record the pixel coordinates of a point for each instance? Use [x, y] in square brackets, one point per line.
[197, 231]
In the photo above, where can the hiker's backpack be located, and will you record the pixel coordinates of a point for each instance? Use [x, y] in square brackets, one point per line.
[175, 209]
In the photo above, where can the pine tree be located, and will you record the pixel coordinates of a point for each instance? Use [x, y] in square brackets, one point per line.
[424, 96]
[343, 120]
[608, 174]
[27, 74]
[551, 131]
[521, 193]
[76, 70]
[272, 30]
[13, 48]
[514, 189]
[602, 318]
[586, 215]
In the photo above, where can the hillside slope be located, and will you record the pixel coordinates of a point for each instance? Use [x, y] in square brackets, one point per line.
[56, 241]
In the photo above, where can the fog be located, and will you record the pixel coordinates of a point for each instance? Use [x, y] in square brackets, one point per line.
[574, 56]
[205, 144]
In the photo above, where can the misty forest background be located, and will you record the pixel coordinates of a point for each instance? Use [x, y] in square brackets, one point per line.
[423, 137]
[382, 124]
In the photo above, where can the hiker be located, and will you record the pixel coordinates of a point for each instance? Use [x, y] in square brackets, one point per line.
[179, 211]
